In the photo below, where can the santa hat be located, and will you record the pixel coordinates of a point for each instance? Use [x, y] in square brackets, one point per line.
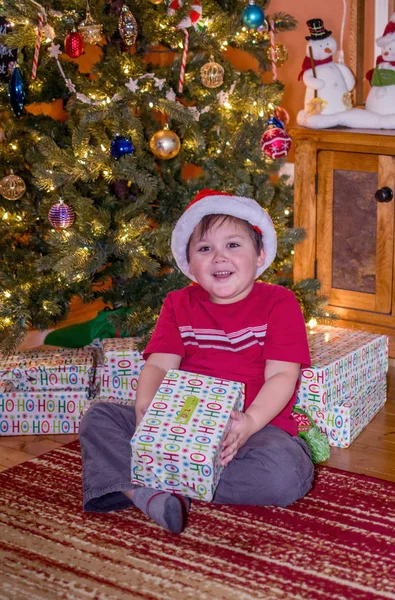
[210, 202]
[389, 33]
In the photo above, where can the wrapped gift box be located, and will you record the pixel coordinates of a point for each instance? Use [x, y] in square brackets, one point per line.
[48, 369]
[343, 423]
[177, 445]
[120, 370]
[344, 363]
[38, 413]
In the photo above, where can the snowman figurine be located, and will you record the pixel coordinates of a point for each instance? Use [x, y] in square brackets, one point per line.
[328, 84]
[381, 97]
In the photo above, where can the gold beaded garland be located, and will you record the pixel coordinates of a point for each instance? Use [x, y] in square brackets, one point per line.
[12, 187]
[165, 144]
[212, 74]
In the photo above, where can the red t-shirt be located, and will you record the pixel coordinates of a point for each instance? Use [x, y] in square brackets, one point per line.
[233, 341]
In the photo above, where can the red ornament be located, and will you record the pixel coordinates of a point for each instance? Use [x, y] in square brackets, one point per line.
[276, 142]
[74, 44]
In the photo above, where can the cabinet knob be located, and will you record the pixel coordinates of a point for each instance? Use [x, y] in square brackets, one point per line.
[384, 194]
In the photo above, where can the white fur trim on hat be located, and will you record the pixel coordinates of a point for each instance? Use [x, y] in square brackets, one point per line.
[236, 206]
[388, 36]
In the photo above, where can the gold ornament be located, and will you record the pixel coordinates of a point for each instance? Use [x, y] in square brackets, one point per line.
[12, 187]
[165, 144]
[89, 29]
[156, 1]
[127, 26]
[281, 53]
[212, 74]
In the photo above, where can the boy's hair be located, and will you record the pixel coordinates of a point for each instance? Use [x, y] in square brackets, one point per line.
[208, 221]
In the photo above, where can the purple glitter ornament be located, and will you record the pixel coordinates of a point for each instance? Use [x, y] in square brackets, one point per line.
[61, 216]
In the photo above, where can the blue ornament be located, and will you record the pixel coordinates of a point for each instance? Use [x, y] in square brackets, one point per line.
[253, 15]
[121, 146]
[17, 92]
[276, 122]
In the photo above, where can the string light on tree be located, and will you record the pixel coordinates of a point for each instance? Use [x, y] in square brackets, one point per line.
[165, 144]
[61, 216]
[12, 187]
[74, 44]
[127, 26]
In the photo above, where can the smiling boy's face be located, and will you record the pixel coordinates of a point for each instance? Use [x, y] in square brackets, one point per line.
[224, 261]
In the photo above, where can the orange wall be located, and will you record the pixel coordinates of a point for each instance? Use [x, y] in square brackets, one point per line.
[331, 12]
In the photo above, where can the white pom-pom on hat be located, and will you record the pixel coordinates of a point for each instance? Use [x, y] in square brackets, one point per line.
[210, 202]
[389, 33]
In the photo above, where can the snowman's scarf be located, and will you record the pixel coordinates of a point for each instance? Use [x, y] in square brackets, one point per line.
[307, 64]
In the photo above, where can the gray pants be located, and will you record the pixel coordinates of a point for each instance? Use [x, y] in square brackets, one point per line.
[272, 468]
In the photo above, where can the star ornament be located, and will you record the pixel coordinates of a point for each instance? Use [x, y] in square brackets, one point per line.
[170, 95]
[70, 86]
[132, 85]
[54, 51]
[160, 82]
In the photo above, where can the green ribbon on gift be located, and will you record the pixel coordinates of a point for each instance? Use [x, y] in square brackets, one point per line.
[316, 441]
[383, 77]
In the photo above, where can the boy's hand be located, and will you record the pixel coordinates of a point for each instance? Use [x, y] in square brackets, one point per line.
[242, 427]
[140, 412]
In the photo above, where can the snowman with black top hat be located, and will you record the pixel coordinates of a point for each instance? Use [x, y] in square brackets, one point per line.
[328, 84]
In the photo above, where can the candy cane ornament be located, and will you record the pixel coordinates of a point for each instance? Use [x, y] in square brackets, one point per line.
[273, 50]
[38, 44]
[191, 20]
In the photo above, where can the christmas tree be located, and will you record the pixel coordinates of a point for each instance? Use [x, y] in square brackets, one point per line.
[88, 201]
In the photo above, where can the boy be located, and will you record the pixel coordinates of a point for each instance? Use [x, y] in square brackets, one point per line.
[229, 326]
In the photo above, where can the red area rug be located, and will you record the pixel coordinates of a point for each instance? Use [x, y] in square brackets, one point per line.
[338, 543]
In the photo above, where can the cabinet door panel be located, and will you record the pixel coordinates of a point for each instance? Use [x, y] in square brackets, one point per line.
[355, 233]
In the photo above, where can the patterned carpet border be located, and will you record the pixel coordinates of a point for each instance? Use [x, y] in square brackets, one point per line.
[338, 543]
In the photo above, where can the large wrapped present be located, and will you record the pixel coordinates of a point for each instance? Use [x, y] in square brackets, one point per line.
[118, 375]
[177, 445]
[344, 363]
[29, 413]
[47, 369]
[344, 422]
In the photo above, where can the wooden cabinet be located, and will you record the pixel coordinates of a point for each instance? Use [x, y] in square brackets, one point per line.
[343, 200]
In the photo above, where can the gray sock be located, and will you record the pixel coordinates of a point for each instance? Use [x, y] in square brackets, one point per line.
[168, 510]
